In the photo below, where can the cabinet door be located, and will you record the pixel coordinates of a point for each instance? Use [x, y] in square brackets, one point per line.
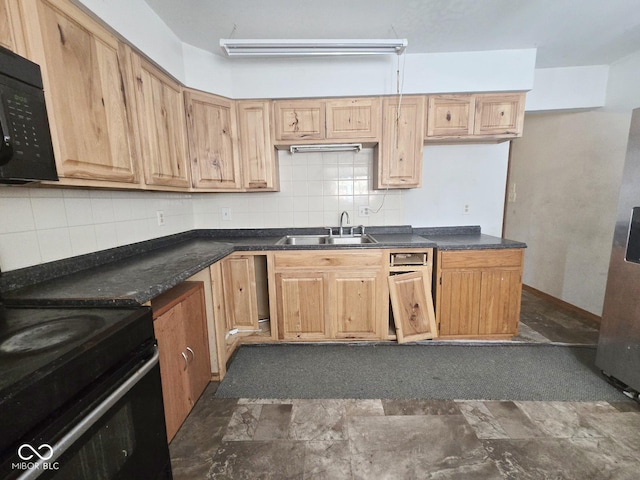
[162, 127]
[169, 331]
[353, 118]
[412, 306]
[219, 316]
[499, 114]
[299, 120]
[258, 157]
[458, 305]
[11, 33]
[196, 344]
[301, 300]
[239, 278]
[213, 141]
[400, 150]
[450, 116]
[355, 303]
[500, 302]
[83, 72]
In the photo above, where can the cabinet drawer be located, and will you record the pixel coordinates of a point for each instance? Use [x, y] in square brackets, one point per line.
[481, 258]
[397, 259]
[328, 259]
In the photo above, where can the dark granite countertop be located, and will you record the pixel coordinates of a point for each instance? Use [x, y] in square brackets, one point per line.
[473, 242]
[128, 282]
[133, 275]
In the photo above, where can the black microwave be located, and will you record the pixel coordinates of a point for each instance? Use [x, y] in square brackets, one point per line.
[26, 152]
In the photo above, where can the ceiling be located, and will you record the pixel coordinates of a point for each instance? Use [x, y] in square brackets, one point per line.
[565, 32]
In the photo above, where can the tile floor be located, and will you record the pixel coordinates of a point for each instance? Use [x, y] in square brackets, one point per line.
[416, 439]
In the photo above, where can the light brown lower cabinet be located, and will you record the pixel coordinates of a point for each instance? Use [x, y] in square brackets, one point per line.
[181, 331]
[412, 305]
[411, 294]
[330, 295]
[302, 305]
[357, 305]
[239, 286]
[478, 293]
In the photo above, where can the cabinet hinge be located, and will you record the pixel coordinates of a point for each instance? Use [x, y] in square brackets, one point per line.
[440, 280]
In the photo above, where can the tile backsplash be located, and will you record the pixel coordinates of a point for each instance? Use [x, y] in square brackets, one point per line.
[40, 225]
[314, 189]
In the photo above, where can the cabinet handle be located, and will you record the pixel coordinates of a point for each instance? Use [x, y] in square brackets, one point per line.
[186, 360]
[193, 355]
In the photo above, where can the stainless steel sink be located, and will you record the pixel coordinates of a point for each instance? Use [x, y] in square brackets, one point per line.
[303, 240]
[325, 240]
[355, 240]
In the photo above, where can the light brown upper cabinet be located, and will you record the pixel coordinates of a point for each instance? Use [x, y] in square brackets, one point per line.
[299, 119]
[499, 114]
[475, 117]
[83, 68]
[161, 125]
[213, 141]
[450, 115]
[353, 118]
[259, 159]
[11, 33]
[399, 163]
[334, 120]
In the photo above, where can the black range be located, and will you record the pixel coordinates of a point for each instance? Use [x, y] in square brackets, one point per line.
[79, 381]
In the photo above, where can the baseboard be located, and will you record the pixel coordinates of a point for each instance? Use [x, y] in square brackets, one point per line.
[590, 317]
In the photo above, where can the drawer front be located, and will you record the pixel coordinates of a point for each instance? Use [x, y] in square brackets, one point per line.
[481, 258]
[328, 259]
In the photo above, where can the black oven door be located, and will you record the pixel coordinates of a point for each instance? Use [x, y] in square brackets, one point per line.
[121, 435]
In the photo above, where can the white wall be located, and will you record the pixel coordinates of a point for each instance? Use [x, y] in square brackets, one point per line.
[623, 91]
[566, 172]
[206, 71]
[568, 88]
[337, 76]
[139, 25]
[458, 175]
[498, 70]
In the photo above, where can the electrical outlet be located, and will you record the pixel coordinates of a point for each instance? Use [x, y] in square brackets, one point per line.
[363, 211]
[226, 214]
[160, 217]
[466, 209]
[512, 193]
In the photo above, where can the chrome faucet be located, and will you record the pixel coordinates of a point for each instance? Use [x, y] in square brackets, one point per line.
[341, 219]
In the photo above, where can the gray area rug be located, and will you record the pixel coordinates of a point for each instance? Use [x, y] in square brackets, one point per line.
[431, 371]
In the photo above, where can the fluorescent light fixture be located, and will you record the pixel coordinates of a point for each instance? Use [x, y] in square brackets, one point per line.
[313, 47]
[326, 147]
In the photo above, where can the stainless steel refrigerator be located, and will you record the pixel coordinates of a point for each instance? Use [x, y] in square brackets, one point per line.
[619, 343]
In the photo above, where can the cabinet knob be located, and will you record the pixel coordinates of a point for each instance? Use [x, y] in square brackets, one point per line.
[193, 355]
